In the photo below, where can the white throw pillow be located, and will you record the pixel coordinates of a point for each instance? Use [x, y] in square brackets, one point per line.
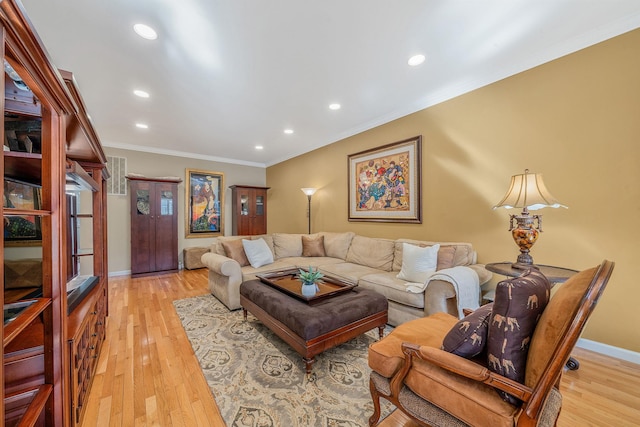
[257, 252]
[418, 263]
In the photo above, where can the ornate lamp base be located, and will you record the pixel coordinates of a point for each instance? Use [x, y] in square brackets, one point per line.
[525, 234]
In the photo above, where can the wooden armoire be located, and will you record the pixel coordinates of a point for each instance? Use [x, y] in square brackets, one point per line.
[249, 211]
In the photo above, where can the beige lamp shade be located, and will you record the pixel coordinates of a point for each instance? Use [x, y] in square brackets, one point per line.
[528, 191]
[309, 191]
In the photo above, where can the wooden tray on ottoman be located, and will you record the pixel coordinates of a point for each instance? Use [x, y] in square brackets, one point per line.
[287, 282]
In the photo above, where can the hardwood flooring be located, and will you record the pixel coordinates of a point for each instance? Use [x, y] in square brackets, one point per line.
[147, 374]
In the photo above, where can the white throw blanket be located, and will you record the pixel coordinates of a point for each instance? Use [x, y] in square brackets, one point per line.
[465, 282]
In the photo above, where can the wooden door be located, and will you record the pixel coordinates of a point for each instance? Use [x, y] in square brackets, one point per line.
[165, 214]
[142, 227]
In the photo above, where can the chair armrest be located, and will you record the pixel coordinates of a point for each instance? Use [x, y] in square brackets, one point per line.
[463, 367]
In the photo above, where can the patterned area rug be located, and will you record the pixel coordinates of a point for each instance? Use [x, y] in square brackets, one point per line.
[259, 381]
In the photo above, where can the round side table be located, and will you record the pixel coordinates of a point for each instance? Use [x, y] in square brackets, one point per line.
[554, 274]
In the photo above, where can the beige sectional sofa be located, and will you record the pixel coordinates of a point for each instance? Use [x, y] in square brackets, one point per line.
[372, 263]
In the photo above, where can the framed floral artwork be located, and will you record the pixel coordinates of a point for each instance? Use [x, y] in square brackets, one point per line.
[205, 203]
[385, 183]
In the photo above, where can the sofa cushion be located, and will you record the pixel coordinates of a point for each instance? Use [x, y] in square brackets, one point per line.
[371, 252]
[313, 246]
[258, 252]
[314, 261]
[418, 262]
[234, 249]
[518, 304]
[287, 245]
[463, 253]
[249, 273]
[394, 289]
[347, 271]
[336, 245]
[469, 336]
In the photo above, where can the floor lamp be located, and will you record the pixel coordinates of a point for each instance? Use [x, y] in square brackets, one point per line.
[309, 192]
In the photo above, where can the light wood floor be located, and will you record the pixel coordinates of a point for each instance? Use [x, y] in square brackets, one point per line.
[147, 374]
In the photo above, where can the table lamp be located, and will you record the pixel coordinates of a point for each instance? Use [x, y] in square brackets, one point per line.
[527, 191]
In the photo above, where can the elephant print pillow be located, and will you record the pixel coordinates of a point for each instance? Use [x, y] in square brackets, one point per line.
[518, 304]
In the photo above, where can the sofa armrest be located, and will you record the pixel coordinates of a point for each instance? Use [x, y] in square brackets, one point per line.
[484, 275]
[225, 278]
[221, 264]
[440, 296]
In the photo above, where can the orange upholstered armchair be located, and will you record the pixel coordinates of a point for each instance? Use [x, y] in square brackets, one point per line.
[501, 379]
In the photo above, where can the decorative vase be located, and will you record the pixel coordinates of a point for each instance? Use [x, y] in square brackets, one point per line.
[309, 289]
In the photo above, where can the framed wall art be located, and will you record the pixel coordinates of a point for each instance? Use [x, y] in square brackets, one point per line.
[22, 230]
[204, 212]
[385, 183]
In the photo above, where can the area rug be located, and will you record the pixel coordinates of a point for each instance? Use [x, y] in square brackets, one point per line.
[259, 381]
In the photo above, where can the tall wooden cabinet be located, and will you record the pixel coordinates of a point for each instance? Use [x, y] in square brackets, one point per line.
[49, 144]
[249, 211]
[154, 225]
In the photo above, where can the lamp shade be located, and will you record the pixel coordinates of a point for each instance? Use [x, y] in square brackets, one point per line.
[309, 191]
[528, 191]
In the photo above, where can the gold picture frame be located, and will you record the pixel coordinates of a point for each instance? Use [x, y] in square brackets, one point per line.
[385, 183]
[204, 212]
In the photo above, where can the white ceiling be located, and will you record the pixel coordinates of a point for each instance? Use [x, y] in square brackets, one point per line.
[225, 76]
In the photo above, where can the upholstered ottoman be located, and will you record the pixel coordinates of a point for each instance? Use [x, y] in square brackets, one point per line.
[192, 257]
[312, 329]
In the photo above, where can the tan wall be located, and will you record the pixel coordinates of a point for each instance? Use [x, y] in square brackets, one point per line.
[155, 165]
[575, 120]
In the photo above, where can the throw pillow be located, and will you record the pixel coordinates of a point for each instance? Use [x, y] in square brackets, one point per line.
[446, 256]
[518, 304]
[418, 263]
[235, 250]
[313, 245]
[469, 336]
[258, 252]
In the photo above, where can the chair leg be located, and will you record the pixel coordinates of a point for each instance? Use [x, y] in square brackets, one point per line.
[375, 397]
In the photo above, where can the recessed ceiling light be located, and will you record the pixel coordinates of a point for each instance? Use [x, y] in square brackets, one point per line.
[259, 147]
[288, 131]
[145, 31]
[334, 106]
[416, 60]
[142, 126]
[141, 93]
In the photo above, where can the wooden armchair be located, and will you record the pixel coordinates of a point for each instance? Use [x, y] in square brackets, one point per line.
[438, 388]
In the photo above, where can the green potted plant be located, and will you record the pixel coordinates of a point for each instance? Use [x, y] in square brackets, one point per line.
[310, 280]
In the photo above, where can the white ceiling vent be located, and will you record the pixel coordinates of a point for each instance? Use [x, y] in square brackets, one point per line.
[117, 184]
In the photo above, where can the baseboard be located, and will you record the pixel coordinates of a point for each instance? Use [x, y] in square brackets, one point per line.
[119, 273]
[609, 350]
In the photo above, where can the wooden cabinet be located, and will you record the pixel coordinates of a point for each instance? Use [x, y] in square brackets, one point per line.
[84, 348]
[154, 225]
[249, 211]
[45, 129]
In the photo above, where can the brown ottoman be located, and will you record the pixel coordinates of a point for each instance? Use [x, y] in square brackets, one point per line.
[312, 329]
[192, 257]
